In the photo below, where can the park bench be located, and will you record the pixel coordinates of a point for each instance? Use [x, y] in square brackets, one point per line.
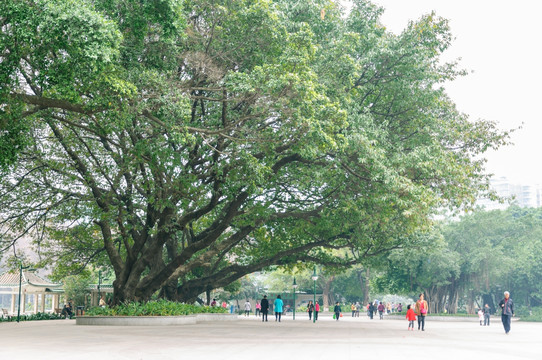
[58, 311]
[6, 314]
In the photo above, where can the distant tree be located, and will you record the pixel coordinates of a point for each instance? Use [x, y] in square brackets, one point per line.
[76, 289]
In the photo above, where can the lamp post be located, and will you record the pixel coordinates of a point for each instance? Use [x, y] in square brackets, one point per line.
[314, 278]
[294, 285]
[99, 283]
[21, 268]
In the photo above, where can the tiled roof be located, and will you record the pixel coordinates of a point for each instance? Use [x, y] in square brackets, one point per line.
[12, 279]
[102, 286]
[9, 278]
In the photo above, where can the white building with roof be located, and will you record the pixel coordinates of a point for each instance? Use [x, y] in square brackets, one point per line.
[37, 293]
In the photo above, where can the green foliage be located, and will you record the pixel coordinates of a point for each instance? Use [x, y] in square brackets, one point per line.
[532, 315]
[76, 289]
[32, 317]
[476, 257]
[153, 308]
[189, 143]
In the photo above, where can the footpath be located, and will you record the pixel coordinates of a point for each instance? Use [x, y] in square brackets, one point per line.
[249, 338]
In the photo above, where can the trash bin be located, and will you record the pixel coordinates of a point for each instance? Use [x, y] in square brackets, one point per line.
[80, 311]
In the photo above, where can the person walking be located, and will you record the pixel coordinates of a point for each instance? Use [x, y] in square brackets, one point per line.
[421, 311]
[410, 316]
[481, 316]
[258, 308]
[247, 308]
[316, 310]
[265, 307]
[353, 308]
[337, 311]
[388, 308]
[381, 308]
[399, 307]
[370, 310]
[310, 309]
[487, 315]
[278, 304]
[358, 308]
[507, 307]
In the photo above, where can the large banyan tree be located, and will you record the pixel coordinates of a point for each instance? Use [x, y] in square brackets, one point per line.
[188, 143]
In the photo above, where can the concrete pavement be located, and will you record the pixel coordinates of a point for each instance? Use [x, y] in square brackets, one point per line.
[249, 338]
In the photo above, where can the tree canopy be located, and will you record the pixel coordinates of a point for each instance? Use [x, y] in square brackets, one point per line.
[188, 143]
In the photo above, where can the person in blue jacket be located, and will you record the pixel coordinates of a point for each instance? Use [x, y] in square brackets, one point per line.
[278, 308]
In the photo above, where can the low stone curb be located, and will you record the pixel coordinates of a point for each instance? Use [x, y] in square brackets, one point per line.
[153, 320]
[449, 318]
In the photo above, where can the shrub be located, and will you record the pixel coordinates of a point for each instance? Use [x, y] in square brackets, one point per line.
[32, 317]
[535, 314]
[153, 308]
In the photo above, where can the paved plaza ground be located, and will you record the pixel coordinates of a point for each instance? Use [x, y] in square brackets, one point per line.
[248, 338]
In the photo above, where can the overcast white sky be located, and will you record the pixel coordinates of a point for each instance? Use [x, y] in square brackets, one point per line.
[501, 42]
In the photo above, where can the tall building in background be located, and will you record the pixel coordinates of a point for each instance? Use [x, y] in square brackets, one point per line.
[523, 195]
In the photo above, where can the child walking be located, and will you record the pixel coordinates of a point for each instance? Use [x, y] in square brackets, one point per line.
[481, 316]
[411, 317]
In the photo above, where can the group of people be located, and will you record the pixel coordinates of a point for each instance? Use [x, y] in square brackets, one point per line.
[355, 309]
[224, 304]
[263, 306]
[417, 311]
[420, 310]
[313, 307]
[382, 308]
[484, 315]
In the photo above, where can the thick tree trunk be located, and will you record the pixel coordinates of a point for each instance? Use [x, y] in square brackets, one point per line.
[326, 292]
[453, 298]
[364, 280]
[123, 293]
[471, 309]
[488, 299]
[169, 291]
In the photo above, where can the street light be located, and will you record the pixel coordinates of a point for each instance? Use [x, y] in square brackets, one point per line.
[100, 283]
[21, 268]
[314, 278]
[294, 285]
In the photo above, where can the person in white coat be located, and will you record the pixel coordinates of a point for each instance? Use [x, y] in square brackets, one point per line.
[247, 308]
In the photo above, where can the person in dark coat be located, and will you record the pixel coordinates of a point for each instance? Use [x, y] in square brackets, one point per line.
[507, 307]
[265, 307]
[487, 315]
[337, 311]
[310, 309]
[370, 310]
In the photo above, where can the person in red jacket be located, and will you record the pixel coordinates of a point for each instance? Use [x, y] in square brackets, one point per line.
[411, 317]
